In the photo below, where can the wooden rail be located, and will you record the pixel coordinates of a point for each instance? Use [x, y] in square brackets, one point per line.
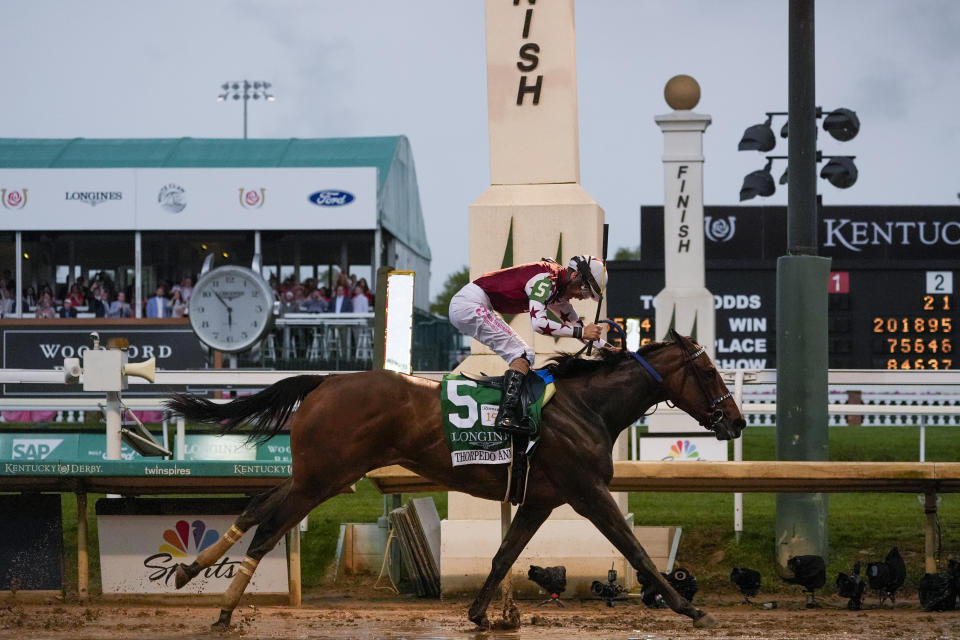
[928, 478]
[747, 476]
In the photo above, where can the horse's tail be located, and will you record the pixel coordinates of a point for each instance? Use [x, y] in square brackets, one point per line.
[267, 410]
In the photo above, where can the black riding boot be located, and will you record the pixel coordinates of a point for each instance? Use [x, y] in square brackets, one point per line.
[510, 417]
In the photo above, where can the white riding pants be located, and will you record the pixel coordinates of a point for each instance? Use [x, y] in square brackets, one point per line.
[471, 313]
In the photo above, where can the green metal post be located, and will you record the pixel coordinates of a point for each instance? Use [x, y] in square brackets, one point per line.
[802, 347]
[801, 526]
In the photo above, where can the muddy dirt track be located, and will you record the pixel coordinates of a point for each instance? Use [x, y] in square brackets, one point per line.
[366, 614]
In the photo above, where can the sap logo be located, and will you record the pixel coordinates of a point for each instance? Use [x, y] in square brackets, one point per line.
[331, 198]
[34, 448]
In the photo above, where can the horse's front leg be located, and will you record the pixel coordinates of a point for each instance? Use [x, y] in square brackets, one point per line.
[525, 523]
[600, 508]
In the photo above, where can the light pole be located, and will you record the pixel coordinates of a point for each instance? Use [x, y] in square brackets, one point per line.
[245, 90]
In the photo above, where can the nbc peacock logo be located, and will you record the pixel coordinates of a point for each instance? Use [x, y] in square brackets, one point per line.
[683, 450]
[177, 540]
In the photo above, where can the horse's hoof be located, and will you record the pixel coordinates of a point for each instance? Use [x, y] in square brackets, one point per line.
[705, 621]
[510, 620]
[183, 576]
[223, 622]
[482, 622]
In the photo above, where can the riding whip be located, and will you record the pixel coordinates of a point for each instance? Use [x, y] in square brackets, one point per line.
[606, 229]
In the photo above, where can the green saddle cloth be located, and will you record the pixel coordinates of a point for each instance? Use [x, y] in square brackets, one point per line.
[469, 411]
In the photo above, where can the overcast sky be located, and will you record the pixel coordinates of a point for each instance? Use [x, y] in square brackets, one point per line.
[136, 68]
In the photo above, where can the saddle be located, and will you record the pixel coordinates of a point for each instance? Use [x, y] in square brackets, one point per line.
[522, 443]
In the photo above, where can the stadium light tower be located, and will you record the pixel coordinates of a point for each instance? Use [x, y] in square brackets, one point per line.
[245, 90]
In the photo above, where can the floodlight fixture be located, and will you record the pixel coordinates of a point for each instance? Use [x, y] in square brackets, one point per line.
[840, 171]
[759, 137]
[843, 124]
[759, 183]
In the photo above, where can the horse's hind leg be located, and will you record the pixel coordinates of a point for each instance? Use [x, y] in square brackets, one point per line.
[286, 512]
[526, 522]
[255, 510]
[600, 508]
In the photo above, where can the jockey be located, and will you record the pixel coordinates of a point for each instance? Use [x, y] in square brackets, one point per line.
[544, 290]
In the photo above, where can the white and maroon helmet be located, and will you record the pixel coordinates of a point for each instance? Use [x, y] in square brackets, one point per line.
[593, 274]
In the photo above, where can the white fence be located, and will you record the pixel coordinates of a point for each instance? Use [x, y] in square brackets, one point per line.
[881, 397]
[877, 397]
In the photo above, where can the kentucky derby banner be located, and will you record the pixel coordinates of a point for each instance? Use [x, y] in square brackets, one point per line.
[469, 412]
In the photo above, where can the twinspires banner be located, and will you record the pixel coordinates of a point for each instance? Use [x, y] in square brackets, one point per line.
[142, 541]
[469, 412]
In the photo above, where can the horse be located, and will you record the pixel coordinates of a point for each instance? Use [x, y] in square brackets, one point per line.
[349, 424]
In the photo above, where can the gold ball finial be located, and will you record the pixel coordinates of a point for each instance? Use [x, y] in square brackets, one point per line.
[682, 92]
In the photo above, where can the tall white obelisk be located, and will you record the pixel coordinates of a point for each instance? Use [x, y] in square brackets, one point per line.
[535, 207]
[684, 304]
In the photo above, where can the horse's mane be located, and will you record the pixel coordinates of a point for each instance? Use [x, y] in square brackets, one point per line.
[568, 365]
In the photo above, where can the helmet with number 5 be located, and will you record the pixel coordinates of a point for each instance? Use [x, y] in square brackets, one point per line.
[592, 272]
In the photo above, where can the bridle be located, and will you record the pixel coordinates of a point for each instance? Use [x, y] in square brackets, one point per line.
[713, 416]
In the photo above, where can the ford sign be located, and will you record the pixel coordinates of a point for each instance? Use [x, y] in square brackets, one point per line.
[331, 198]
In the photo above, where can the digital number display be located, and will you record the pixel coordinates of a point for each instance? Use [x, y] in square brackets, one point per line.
[920, 341]
[879, 318]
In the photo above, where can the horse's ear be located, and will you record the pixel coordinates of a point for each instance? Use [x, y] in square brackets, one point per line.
[674, 335]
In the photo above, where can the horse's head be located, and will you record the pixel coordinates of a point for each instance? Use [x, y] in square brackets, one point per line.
[692, 382]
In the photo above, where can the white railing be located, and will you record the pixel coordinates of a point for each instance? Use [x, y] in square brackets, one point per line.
[68, 408]
[755, 392]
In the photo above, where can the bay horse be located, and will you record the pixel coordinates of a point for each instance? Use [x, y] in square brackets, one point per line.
[349, 424]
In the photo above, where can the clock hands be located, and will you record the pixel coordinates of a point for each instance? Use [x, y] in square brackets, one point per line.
[229, 309]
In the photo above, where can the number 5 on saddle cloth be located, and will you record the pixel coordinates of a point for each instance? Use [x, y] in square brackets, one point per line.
[469, 408]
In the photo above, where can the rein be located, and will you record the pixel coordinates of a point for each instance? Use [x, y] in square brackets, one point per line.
[713, 415]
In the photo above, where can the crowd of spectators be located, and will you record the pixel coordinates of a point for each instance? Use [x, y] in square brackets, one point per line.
[350, 295]
[101, 298]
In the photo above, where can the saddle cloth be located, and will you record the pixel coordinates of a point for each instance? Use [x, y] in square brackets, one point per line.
[469, 410]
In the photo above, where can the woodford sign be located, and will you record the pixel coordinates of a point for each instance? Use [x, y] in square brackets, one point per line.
[43, 344]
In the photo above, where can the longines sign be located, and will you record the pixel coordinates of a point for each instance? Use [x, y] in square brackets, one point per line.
[184, 198]
[44, 347]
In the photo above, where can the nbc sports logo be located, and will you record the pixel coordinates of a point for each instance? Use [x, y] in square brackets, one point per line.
[683, 450]
[177, 541]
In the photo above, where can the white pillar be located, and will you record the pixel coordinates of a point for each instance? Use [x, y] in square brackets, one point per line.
[138, 275]
[684, 304]
[18, 250]
[113, 425]
[535, 205]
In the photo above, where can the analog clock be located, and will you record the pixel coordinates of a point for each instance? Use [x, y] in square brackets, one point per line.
[231, 308]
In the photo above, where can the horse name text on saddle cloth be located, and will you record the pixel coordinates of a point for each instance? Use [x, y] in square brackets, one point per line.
[469, 411]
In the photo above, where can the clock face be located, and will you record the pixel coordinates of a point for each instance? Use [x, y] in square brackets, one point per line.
[231, 308]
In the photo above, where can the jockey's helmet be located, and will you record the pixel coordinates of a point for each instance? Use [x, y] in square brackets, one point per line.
[593, 274]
